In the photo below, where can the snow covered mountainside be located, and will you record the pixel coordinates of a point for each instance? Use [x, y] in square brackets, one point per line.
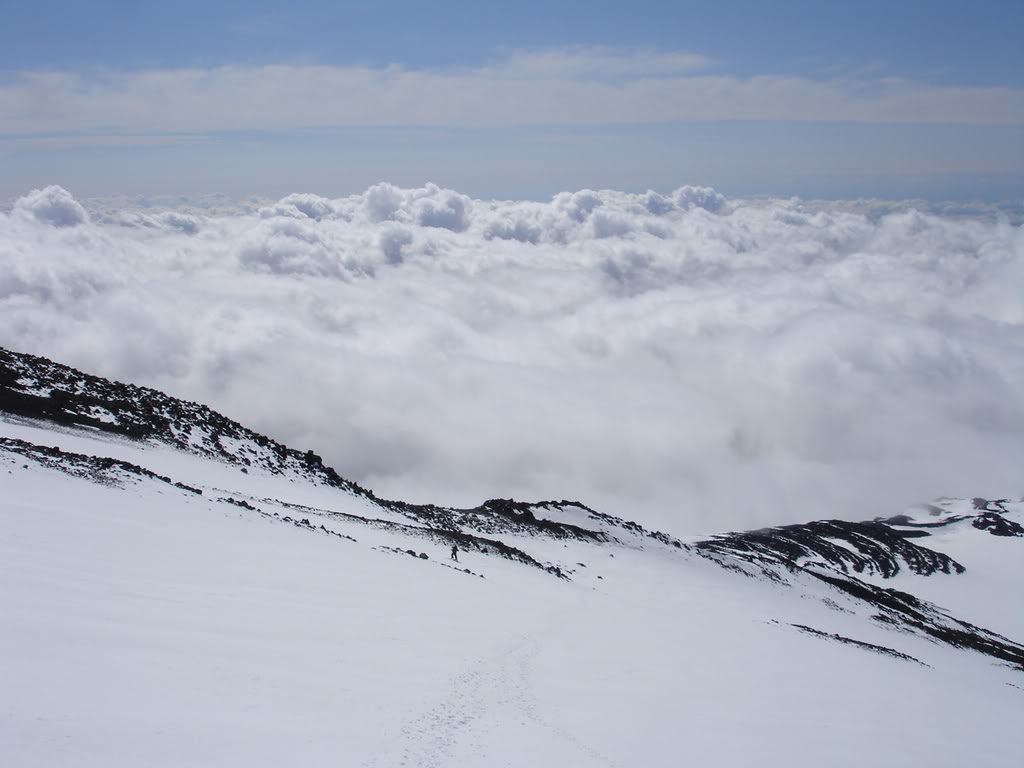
[180, 590]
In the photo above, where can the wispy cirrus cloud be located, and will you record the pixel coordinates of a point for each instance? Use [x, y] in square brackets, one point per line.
[596, 62]
[60, 141]
[557, 87]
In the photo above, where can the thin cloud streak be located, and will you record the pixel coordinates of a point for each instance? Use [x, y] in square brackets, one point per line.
[102, 140]
[562, 87]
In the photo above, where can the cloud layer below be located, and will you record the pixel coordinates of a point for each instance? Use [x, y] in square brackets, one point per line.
[684, 359]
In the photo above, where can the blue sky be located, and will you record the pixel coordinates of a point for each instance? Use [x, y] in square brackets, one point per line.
[808, 98]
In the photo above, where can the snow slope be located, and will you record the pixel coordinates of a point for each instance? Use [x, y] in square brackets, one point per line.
[167, 603]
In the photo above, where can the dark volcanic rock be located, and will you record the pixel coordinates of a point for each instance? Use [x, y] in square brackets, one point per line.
[831, 551]
[908, 612]
[37, 388]
[99, 469]
[867, 546]
[858, 643]
[997, 525]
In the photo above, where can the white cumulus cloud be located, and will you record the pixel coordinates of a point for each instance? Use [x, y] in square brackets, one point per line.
[53, 205]
[696, 362]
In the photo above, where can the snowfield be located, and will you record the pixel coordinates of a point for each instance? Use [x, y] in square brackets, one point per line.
[164, 606]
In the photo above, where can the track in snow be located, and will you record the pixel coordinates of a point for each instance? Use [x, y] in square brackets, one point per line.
[492, 702]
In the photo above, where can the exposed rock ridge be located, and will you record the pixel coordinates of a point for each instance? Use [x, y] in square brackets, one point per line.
[872, 547]
[35, 387]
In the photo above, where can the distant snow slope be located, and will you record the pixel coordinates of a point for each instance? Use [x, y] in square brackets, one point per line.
[178, 590]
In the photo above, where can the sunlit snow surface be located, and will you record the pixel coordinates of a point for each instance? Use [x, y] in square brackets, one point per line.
[680, 358]
[146, 624]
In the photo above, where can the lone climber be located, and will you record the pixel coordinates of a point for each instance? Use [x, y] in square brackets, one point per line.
[455, 552]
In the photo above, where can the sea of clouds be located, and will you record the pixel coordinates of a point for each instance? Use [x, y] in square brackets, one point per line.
[691, 361]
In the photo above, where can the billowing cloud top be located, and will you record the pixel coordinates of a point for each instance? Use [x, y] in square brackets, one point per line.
[52, 205]
[681, 358]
